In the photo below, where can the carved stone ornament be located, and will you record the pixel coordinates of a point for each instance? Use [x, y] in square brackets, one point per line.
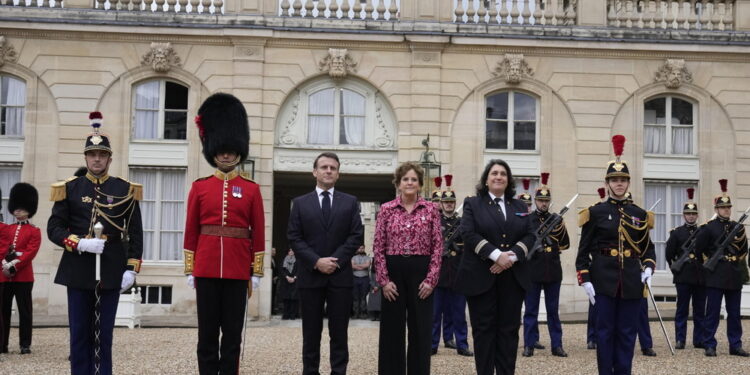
[7, 53]
[338, 63]
[673, 73]
[513, 68]
[161, 57]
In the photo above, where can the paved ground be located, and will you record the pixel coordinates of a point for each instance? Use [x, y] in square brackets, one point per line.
[274, 348]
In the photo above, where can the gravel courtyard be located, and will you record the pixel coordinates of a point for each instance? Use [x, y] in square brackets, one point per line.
[274, 348]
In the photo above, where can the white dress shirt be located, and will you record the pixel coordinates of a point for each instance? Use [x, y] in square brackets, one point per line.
[496, 253]
[320, 195]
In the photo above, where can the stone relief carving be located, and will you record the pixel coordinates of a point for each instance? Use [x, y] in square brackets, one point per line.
[7, 52]
[338, 63]
[384, 138]
[673, 73]
[513, 68]
[287, 135]
[162, 57]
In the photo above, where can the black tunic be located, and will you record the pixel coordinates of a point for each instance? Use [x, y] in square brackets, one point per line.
[453, 247]
[692, 272]
[544, 266]
[728, 272]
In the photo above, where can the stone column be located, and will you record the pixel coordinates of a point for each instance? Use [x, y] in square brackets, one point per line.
[742, 15]
[592, 13]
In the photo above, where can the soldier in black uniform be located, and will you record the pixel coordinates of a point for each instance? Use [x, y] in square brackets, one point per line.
[545, 272]
[80, 204]
[449, 309]
[726, 279]
[690, 280]
[591, 321]
[615, 259]
[525, 197]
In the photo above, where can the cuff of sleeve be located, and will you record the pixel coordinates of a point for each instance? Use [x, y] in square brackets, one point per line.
[71, 243]
[495, 254]
[524, 250]
[649, 263]
[583, 277]
[258, 264]
[134, 265]
[189, 261]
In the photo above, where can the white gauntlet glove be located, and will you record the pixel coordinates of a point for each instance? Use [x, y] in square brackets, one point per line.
[191, 281]
[128, 278]
[646, 276]
[589, 288]
[256, 282]
[91, 245]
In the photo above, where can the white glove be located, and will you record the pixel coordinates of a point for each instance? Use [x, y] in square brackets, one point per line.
[128, 278]
[646, 276]
[91, 245]
[256, 282]
[6, 265]
[589, 288]
[191, 281]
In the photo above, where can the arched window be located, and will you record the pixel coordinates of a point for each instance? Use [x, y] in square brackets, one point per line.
[336, 116]
[12, 105]
[159, 110]
[668, 126]
[511, 121]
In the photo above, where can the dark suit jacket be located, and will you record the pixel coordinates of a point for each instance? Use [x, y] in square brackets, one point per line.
[311, 238]
[483, 231]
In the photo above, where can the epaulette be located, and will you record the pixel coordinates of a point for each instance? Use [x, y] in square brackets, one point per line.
[137, 191]
[203, 178]
[247, 178]
[583, 216]
[58, 191]
[650, 220]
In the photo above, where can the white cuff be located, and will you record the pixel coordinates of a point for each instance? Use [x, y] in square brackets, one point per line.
[495, 254]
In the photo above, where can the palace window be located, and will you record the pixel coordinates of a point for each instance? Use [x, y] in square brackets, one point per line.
[12, 103]
[160, 110]
[511, 121]
[668, 123]
[667, 214]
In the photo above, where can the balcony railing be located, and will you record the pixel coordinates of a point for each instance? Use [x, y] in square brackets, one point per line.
[672, 14]
[516, 12]
[165, 6]
[341, 9]
[33, 3]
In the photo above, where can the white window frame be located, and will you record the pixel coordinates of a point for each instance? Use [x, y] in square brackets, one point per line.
[337, 115]
[8, 218]
[25, 93]
[160, 288]
[670, 209]
[669, 126]
[510, 121]
[161, 111]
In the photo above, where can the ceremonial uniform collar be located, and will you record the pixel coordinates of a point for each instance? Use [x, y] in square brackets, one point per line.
[722, 219]
[97, 180]
[226, 176]
[618, 202]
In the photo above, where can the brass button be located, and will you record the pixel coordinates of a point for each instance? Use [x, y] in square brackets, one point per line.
[504, 236]
[627, 253]
[613, 252]
[691, 256]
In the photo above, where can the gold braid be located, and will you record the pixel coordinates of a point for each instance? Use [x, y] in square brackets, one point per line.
[625, 222]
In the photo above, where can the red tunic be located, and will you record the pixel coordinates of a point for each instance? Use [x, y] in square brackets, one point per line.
[225, 200]
[27, 245]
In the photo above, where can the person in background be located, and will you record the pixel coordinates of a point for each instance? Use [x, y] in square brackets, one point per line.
[288, 290]
[374, 298]
[361, 270]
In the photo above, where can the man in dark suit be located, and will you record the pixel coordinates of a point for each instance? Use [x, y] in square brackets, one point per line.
[325, 230]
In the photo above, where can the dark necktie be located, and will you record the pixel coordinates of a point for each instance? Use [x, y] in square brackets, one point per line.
[326, 206]
[498, 202]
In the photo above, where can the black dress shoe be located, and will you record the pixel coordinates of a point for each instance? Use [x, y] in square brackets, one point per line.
[559, 352]
[537, 345]
[465, 352]
[434, 351]
[27, 350]
[4, 350]
[698, 346]
[680, 345]
[591, 345]
[450, 344]
[649, 352]
[710, 352]
[528, 351]
[739, 352]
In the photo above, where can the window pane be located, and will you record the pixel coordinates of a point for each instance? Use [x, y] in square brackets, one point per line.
[497, 106]
[148, 178]
[153, 294]
[175, 125]
[352, 103]
[321, 102]
[12, 101]
[524, 107]
[682, 140]
[176, 96]
[146, 110]
[166, 295]
[524, 135]
[682, 112]
[655, 141]
[658, 235]
[8, 178]
[497, 134]
[320, 130]
[655, 112]
[351, 128]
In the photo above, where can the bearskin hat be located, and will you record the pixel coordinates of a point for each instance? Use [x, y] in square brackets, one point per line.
[222, 126]
[25, 196]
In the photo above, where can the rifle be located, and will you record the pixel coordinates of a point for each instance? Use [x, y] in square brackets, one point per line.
[547, 227]
[723, 243]
[686, 249]
[448, 240]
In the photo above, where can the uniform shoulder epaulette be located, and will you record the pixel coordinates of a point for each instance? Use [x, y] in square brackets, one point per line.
[247, 178]
[583, 216]
[650, 219]
[58, 191]
[203, 178]
[137, 190]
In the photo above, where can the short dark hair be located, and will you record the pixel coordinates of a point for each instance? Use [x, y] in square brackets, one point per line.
[482, 188]
[404, 168]
[327, 154]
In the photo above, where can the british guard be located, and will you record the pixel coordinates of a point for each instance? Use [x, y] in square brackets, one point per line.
[615, 259]
[96, 219]
[449, 313]
[224, 235]
[545, 271]
[19, 244]
[726, 279]
[689, 280]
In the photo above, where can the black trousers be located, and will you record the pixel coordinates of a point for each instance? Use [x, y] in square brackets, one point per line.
[338, 304]
[407, 310]
[291, 309]
[221, 308]
[495, 320]
[22, 292]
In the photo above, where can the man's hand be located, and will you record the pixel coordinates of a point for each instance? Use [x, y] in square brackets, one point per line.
[289, 279]
[256, 282]
[327, 265]
[589, 288]
[504, 261]
[128, 278]
[91, 245]
[389, 291]
[424, 290]
[191, 281]
[646, 276]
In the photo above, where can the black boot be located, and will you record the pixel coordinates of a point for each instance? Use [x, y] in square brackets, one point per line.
[528, 351]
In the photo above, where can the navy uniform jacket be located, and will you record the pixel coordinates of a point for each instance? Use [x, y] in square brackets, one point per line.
[613, 265]
[452, 250]
[483, 231]
[692, 272]
[544, 266]
[728, 273]
[72, 220]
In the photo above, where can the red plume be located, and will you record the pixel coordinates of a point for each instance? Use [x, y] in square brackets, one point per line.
[690, 192]
[545, 178]
[723, 183]
[526, 183]
[438, 181]
[95, 115]
[448, 180]
[601, 193]
[618, 144]
[199, 124]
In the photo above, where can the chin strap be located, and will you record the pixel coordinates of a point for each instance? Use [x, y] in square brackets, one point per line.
[227, 165]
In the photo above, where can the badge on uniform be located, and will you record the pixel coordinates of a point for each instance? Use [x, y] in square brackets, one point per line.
[110, 199]
[237, 191]
[85, 199]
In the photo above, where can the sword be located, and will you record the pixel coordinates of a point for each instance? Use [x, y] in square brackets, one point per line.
[98, 228]
[658, 314]
[244, 322]
[654, 205]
